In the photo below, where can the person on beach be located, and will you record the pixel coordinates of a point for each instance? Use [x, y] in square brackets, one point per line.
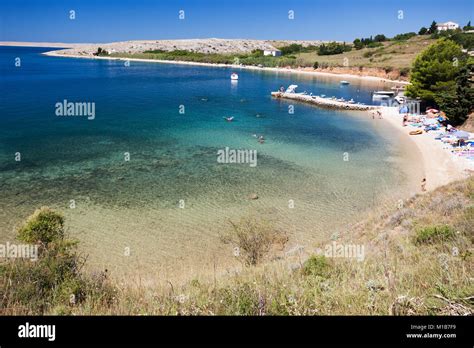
[405, 119]
[423, 185]
[380, 114]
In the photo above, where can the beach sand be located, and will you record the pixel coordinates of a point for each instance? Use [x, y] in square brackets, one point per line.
[440, 166]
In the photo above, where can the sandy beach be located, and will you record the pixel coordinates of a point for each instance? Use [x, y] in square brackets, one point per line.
[440, 166]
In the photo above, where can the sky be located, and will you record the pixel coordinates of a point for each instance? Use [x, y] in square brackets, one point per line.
[119, 20]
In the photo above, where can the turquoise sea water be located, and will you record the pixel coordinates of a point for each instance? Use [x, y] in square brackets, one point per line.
[173, 156]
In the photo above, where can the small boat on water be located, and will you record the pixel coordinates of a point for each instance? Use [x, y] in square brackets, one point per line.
[383, 94]
[344, 82]
[234, 76]
[229, 119]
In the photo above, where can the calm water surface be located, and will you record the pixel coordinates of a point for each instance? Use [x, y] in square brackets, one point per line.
[173, 157]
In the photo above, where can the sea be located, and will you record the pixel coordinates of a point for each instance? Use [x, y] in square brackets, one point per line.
[129, 153]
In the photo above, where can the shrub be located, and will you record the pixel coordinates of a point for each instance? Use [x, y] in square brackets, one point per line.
[405, 71]
[101, 52]
[423, 31]
[374, 44]
[290, 49]
[434, 234]
[44, 226]
[404, 36]
[333, 48]
[317, 265]
[254, 239]
[240, 299]
[315, 65]
[54, 282]
[466, 221]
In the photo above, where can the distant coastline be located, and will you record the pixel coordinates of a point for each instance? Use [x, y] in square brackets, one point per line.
[305, 71]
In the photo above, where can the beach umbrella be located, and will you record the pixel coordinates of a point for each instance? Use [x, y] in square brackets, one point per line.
[461, 135]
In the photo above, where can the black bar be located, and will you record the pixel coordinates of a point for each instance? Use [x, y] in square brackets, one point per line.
[289, 331]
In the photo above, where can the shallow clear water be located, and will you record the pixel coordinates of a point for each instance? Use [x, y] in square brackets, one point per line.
[173, 156]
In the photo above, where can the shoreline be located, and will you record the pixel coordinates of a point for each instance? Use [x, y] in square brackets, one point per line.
[247, 67]
[439, 166]
[431, 152]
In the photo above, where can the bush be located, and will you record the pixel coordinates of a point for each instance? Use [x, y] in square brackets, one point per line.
[405, 71]
[54, 283]
[254, 239]
[423, 31]
[290, 49]
[296, 48]
[317, 266]
[466, 221]
[101, 52]
[315, 65]
[374, 45]
[44, 226]
[404, 37]
[368, 54]
[380, 38]
[434, 234]
[240, 299]
[466, 40]
[333, 48]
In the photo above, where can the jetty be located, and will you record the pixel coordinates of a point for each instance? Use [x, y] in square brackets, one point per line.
[324, 102]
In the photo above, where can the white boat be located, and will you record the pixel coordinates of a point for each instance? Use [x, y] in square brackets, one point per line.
[344, 82]
[384, 93]
[291, 89]
[234, 76]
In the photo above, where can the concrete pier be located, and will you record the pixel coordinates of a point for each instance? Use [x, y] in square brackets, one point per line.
[324, 102]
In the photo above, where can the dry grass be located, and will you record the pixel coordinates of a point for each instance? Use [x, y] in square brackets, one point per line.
[399, 275]
[393, 54]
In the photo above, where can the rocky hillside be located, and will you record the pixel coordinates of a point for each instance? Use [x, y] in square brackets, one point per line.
[221, 46]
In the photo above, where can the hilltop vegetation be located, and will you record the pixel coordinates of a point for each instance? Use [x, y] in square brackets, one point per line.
[388, 55]
[418, 260]
[442, 76]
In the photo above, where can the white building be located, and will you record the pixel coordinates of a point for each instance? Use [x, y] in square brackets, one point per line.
[447, 26]
[274, 53]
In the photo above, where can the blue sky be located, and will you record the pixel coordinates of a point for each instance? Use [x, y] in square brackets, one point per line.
[106, 21]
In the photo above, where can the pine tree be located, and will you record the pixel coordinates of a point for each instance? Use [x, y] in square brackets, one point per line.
[433, 28]
[458, 103]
